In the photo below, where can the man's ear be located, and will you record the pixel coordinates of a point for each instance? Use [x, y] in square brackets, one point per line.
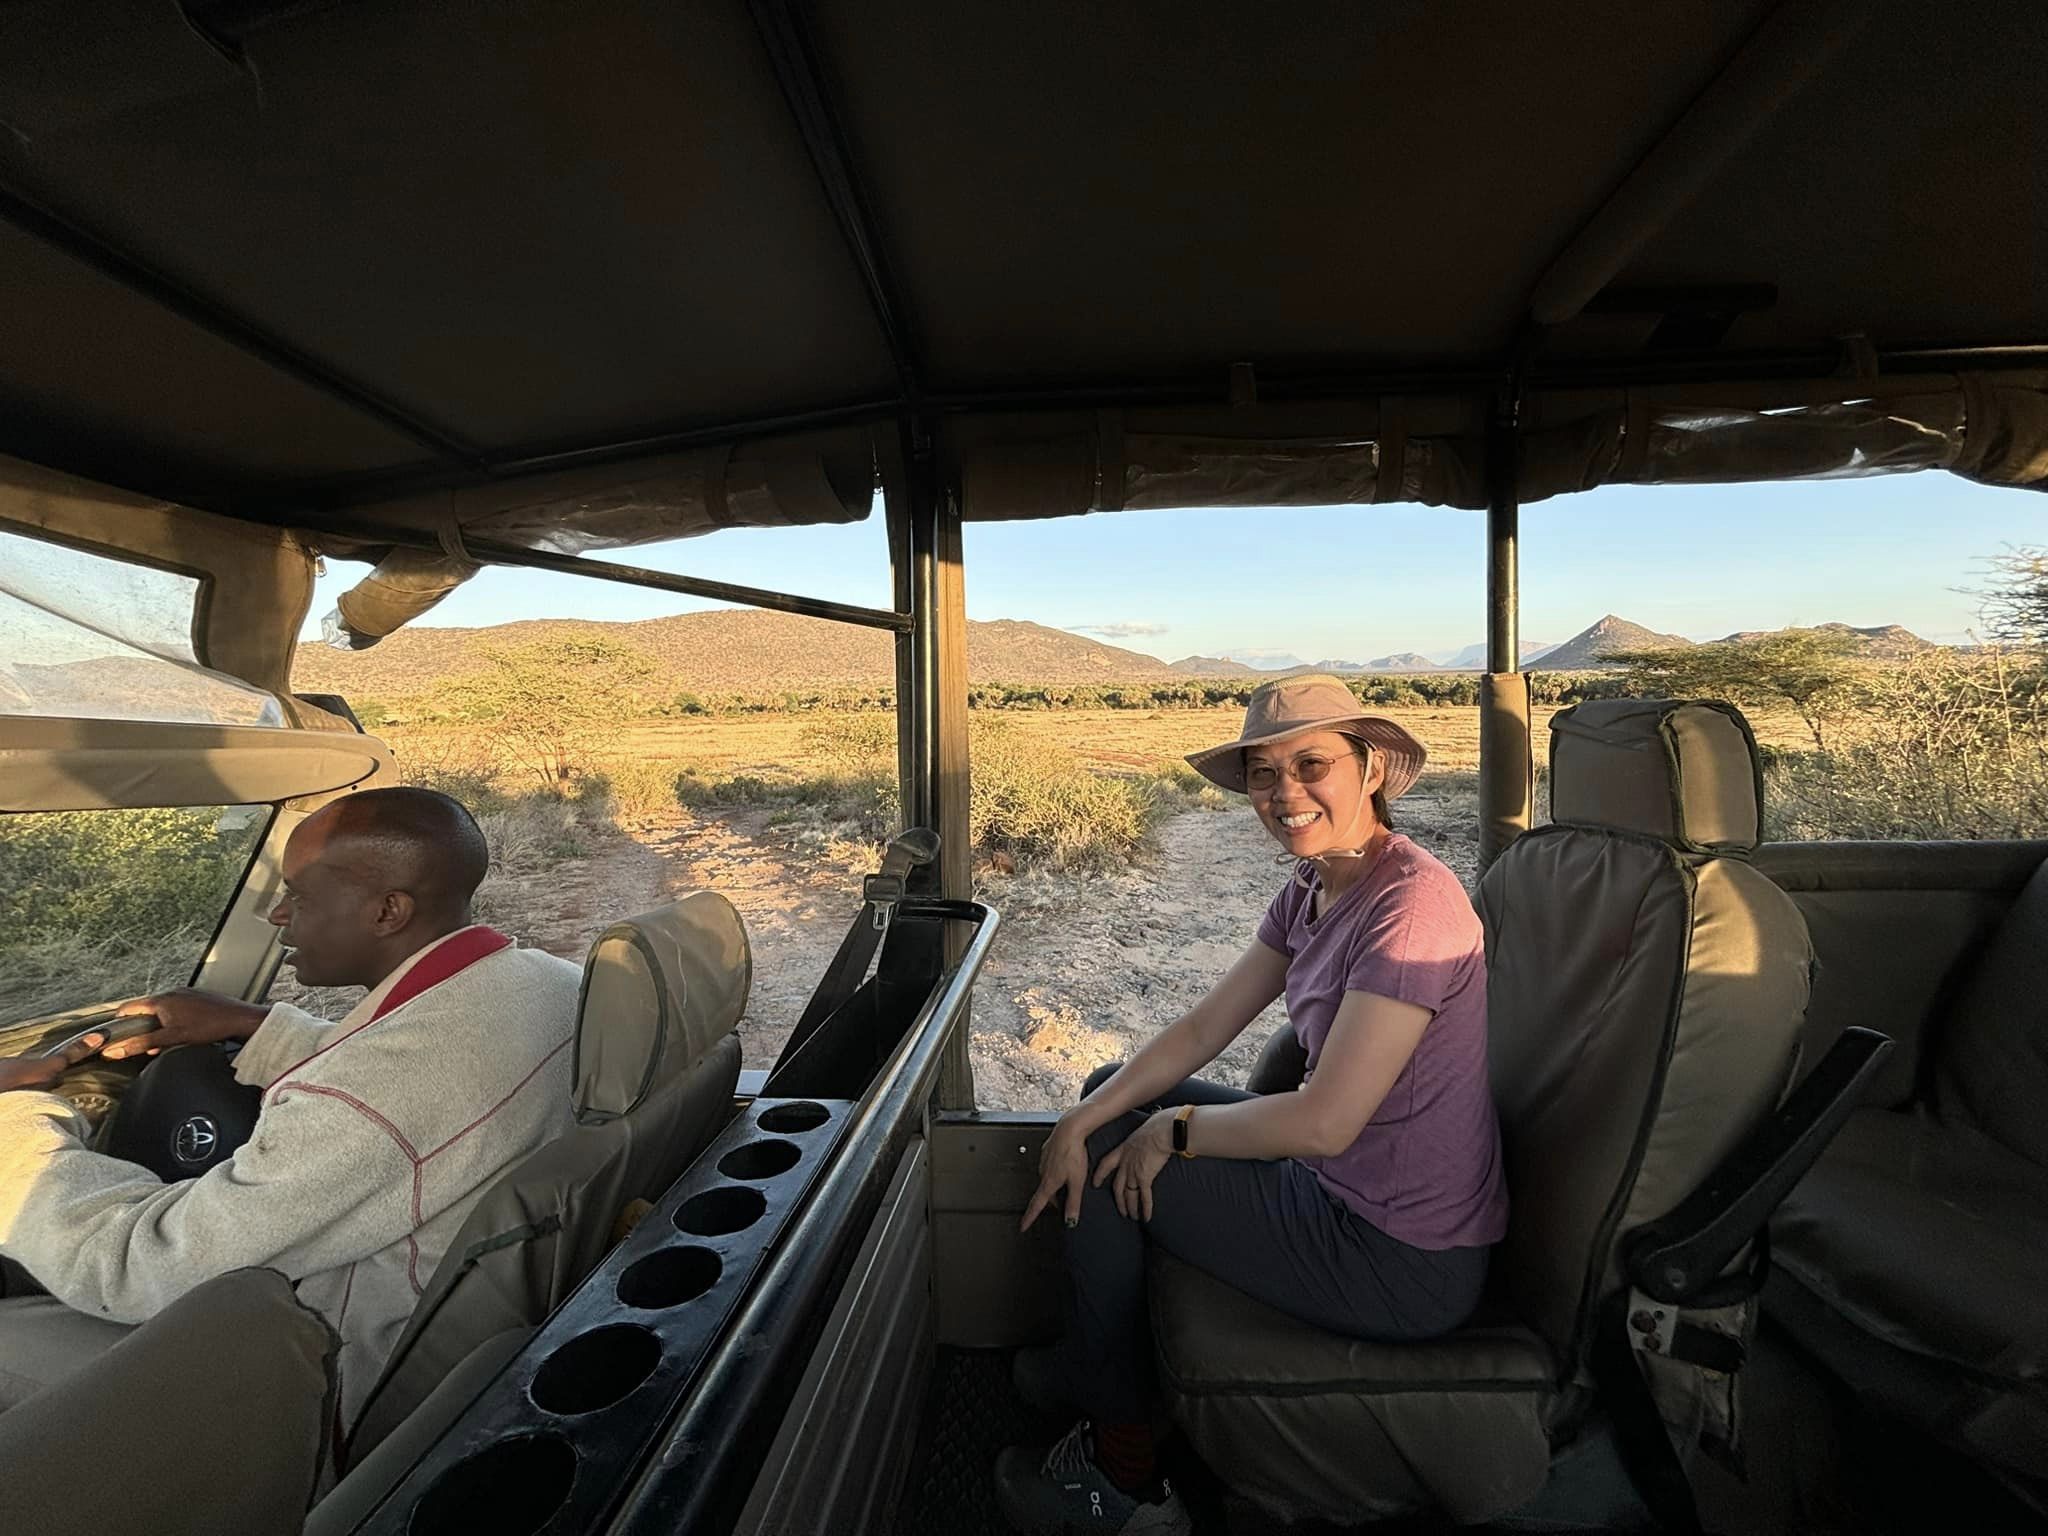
[395, 914]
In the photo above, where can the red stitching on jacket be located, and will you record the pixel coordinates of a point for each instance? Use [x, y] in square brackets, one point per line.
[480, 1119]
[357, 1104]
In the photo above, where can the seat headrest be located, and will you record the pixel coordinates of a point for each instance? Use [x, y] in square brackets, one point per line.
[1683, 771]
[659, 990]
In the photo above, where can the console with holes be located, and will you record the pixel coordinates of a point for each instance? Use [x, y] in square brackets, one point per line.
[553, 1443]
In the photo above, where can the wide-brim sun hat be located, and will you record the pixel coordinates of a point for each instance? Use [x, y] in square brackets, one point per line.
[1312, 701]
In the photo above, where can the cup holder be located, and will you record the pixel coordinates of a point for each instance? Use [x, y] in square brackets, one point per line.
[670, 1277]
[721, 1211]
[512, 1488]
[760, 1160]
[596, 1369]
[787, 1118]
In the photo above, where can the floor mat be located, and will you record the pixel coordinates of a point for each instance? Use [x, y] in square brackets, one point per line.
[969, 1416]
[972, 1412]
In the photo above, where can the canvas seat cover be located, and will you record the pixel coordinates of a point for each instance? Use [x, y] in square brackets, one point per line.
[210, 1418]
[1645, 995]
[656, 1063]
[1914, 1257]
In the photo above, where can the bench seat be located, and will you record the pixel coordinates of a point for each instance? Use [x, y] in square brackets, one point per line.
[1913, 1261]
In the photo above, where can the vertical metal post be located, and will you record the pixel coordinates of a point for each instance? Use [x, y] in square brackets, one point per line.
[931, 698]
[1505, 772]
[1503, 531]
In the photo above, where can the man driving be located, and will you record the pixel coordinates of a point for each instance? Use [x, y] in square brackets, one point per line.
[376, 1133]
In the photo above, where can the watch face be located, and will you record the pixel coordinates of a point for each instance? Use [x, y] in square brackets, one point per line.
[1180, 1133]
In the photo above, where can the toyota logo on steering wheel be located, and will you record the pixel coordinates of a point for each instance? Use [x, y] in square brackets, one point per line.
[195, 1139]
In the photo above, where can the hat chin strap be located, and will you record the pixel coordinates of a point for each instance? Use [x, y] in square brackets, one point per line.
[1318, 859]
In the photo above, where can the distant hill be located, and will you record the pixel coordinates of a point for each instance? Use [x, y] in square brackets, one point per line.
[1591, 646]
[1402, 661]
[1878, 642]
[1269, 661]
[738, 649]
[1212, 666]
[1473, 657]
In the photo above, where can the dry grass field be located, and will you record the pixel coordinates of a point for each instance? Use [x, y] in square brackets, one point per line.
[1106, 740]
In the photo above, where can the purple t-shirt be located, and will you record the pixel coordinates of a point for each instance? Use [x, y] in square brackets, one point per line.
[1426, 1169]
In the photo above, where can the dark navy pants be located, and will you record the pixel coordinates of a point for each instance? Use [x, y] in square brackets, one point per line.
[1269, 1229]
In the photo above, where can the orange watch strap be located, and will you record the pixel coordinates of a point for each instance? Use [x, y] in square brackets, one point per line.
[1181, 1119]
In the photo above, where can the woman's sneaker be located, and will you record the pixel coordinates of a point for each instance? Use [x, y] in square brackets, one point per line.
[1064, 1490]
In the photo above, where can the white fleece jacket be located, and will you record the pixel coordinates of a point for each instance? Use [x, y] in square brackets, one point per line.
[376, 1136]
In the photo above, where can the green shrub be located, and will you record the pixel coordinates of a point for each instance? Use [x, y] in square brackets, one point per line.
[1940, 746]
[120, 873]
[1031, 801]
[638, 786]
[106, 904]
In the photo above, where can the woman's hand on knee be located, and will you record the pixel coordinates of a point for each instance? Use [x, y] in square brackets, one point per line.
[1062, 1165]
[1131, 1166]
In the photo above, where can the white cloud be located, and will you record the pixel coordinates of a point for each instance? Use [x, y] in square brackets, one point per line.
[1127, 630]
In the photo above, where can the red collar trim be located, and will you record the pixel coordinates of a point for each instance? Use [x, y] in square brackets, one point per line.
[454, 954]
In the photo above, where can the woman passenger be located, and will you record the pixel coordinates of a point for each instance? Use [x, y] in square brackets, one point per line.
[1366, 1202]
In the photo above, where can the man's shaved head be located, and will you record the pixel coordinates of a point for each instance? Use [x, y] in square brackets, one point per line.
[416, 840]
[375, 877]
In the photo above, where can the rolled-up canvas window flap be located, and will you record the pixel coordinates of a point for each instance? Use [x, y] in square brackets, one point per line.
[404, 585]
[2006, 441]
[1166, 471]
[1990, 427]
[820, 478]
[1705, 445]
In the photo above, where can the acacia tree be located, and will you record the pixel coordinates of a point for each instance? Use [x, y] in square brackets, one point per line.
[2016, 603]
[1811, 670]
[544, 704]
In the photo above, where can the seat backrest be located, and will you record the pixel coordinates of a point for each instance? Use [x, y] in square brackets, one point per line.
[1646, 987]
[655, 1065]
[1991, 1049]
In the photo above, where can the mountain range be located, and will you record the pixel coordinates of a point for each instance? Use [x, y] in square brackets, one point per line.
[1588, 649]
[737, 649]
[755, 650]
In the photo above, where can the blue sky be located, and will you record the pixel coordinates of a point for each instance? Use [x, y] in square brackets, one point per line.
[1359, 582]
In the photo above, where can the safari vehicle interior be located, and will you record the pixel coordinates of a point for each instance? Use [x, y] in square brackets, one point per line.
[444, 288]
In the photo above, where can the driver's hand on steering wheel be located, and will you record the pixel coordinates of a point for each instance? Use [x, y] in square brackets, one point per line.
[43, 1071]
[187, 1017]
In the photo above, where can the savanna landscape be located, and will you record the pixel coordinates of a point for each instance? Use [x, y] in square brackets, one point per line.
[616, 765]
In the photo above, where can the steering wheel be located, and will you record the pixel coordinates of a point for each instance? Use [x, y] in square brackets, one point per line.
[177, 1113]
[183, 1114]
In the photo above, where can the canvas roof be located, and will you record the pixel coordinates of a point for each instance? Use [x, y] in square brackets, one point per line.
[275, 257]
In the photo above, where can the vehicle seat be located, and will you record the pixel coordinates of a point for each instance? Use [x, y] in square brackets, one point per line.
[1646, 990]
[655, 1065]
[1913, 1259]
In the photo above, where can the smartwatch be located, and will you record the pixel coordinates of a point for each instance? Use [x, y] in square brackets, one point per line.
[1180, 1131]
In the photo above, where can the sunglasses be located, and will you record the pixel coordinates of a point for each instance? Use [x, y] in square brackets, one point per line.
[1309, 768]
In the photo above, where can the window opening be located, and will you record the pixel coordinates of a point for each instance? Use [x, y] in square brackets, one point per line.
[99, 906]
[86, 635]
[620, 743]
[1872, 632]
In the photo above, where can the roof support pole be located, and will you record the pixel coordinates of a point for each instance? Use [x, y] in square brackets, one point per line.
[931, 696]
[1505, 772]
[1789, 46]
[785, 34]
[225, 325]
